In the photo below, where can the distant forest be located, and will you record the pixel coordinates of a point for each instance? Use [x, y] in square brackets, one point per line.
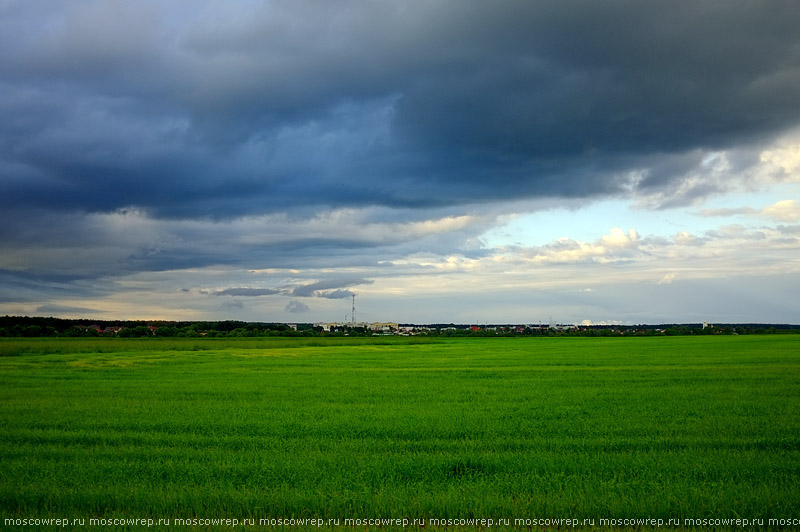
[26, 326]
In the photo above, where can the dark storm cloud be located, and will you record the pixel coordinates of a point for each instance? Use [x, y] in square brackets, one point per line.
[202, 109]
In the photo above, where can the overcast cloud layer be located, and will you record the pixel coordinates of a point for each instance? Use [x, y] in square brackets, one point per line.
[268, 160]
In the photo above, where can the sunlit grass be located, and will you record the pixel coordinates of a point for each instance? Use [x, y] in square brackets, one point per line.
[669, 427]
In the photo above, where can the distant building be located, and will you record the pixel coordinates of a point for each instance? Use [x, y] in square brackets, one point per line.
[384, 327]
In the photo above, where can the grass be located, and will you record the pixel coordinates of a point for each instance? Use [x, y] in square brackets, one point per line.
[667, 427]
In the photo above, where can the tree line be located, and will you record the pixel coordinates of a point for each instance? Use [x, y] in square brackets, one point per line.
[27, 326]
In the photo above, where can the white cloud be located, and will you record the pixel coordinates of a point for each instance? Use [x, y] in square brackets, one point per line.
[618, 238]
[784, 157]
[780, 211]
[685, 238]
[783, 211]
[667, 279]
[588, 323]
[614, 246]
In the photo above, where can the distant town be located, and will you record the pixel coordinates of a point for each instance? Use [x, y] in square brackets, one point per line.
[27, 326]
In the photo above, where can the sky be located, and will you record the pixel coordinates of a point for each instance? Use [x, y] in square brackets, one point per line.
[445, 161]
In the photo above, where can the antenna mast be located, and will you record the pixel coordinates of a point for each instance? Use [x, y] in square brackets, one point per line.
[353, 316]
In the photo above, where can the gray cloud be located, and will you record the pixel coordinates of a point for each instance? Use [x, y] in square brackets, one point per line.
[330, 288]
[335, 294]
[296, 307]
[248, 292]
[60, 310]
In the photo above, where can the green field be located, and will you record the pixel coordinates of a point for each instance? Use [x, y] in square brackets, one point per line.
[664, 427]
